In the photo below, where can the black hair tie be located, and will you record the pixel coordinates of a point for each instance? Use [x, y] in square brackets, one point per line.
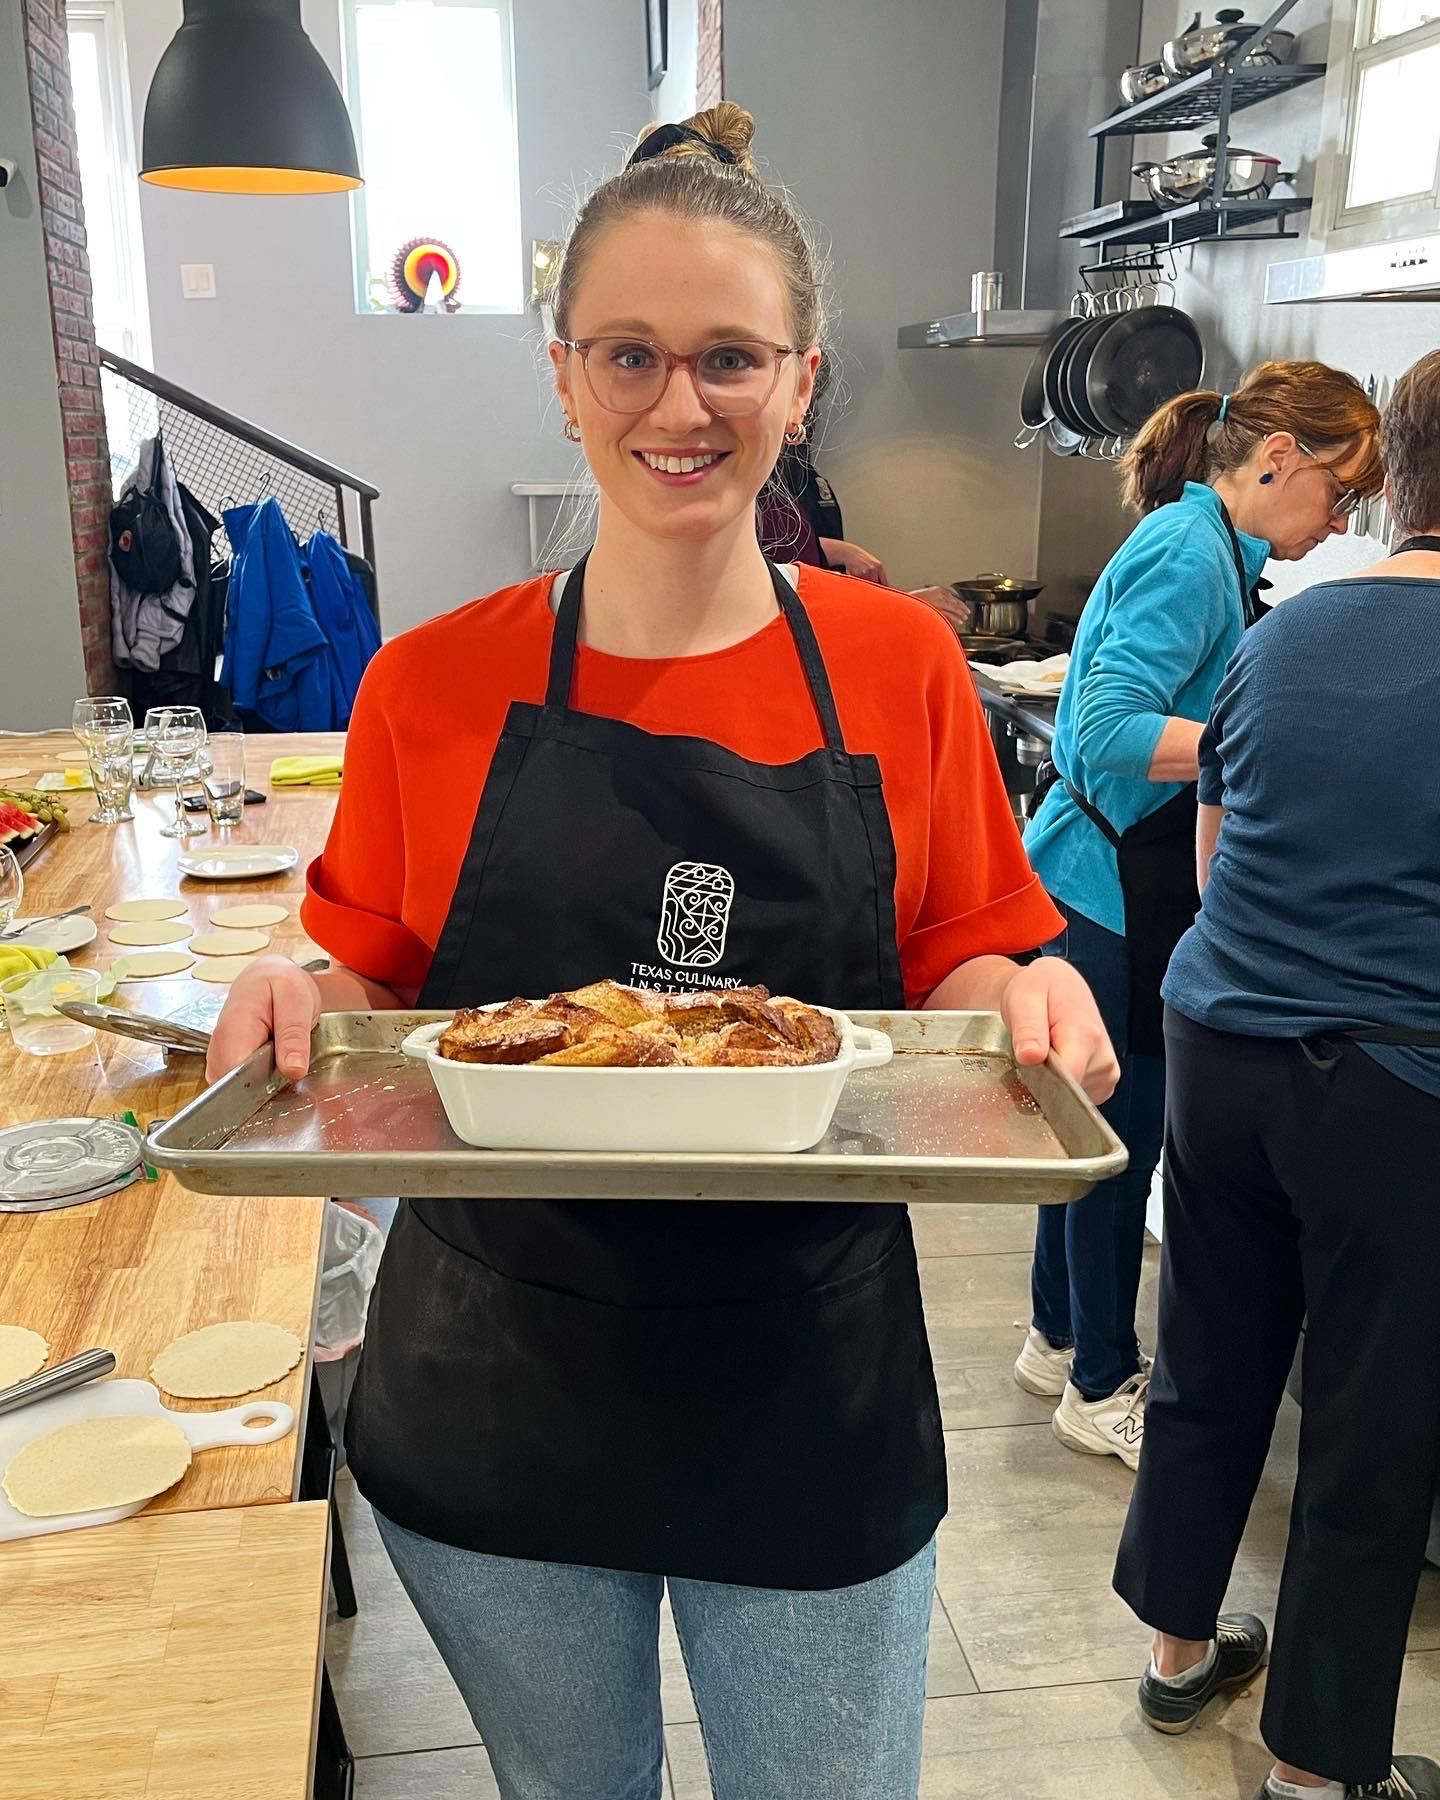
[665, 137]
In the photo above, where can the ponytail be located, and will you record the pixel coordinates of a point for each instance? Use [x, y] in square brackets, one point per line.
[1202, 434]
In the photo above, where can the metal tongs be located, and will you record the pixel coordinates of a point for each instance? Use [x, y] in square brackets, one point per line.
[75, 1372]
[167, 1033]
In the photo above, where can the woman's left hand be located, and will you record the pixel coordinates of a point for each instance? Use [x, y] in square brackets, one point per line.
[1047, 1005]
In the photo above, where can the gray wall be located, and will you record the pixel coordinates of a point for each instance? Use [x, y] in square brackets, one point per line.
[441, 413]
[883, 121]
[42, 669]
[1223, 286]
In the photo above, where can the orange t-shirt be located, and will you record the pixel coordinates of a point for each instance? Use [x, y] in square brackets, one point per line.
[433, 703]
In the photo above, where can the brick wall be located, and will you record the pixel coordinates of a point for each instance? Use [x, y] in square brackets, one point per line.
[710, 55]
[87, 454]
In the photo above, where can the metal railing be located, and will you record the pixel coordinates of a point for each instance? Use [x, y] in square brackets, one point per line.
[224, 459]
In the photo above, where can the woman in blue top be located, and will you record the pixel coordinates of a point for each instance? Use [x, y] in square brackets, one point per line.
[1302, 1144]
[1224, 481]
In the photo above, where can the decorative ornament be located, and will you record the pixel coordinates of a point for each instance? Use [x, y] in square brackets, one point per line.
[572, 432]
[796, 434]
[415, 265]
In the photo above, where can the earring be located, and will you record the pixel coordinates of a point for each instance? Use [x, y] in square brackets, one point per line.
[1267, 478]
[572, 432]
[796, 434]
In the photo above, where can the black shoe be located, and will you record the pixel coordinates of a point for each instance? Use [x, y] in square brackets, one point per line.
[1411, 1778]
[1240, 1639]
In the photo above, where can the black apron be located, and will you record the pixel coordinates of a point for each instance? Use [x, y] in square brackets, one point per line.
[731, 1392]
[1156, 860]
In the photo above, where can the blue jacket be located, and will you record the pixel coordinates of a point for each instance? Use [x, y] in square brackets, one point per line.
[1162, 622]
[295, 644]
[352, 635]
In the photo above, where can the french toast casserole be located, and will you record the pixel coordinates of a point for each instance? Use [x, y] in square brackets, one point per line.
[608, 1026]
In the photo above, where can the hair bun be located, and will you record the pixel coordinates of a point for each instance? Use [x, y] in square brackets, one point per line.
[727, 125]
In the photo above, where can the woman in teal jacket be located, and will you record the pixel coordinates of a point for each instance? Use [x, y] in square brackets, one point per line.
[1224, 481]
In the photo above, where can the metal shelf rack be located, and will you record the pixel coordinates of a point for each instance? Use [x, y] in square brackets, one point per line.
[1209, 97]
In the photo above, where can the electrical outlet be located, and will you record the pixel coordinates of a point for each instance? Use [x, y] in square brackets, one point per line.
[197, 281]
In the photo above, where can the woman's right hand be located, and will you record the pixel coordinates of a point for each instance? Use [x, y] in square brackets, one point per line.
[273, 998]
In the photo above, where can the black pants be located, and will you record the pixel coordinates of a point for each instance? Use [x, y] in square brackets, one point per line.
[1295, 1194]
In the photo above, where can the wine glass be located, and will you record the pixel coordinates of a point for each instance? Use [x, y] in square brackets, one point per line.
[175, 733]
[104, 726]
[12, 886]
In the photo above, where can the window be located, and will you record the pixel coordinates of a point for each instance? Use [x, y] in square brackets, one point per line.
[1384, 173]
[431, 93]
[109, 182]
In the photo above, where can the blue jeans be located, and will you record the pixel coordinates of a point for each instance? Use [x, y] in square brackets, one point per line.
[1086, 1275]
[801, 1696]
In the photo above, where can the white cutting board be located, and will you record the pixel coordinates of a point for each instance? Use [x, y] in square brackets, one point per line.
[105, 1399]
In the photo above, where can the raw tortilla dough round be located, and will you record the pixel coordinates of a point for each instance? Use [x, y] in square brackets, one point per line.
[93, 1464]
[152, 932]
[22, 1352]
[219, 1361]
[137, 911]
[12, 774]
[221, 968]
[147, 963]
[248, 918]
[229, 943]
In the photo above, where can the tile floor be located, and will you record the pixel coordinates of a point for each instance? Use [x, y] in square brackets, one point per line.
[1032, 1658]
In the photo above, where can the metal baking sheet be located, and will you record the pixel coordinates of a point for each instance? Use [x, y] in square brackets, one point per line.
[951, 1118]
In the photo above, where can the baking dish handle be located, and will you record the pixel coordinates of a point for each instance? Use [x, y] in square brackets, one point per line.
[872, 1048]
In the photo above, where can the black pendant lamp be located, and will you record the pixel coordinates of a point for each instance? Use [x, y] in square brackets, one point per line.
[242, 103]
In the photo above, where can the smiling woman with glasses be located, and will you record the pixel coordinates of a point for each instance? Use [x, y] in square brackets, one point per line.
[565, 1409]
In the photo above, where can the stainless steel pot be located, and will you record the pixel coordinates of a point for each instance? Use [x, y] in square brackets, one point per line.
[1249, 174]
[1142, 81]
[999, 604]
[1203, 45]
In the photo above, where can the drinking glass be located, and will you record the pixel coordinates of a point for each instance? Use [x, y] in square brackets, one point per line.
[104, 726]
[12, 886]
[225, 781]
[29, 1002]
[175, 734]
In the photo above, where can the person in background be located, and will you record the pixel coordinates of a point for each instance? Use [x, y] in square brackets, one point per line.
[562, 1408]
[1301, 1157]
[1223, 481]
[799, 515]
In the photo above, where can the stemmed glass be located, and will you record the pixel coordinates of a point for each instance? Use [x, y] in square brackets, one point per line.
[12, 886]
[104, 726]
[175, 734]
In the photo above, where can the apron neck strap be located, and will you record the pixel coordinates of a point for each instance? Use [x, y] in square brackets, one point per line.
[1247, 593]
[566, 636]
[1422, 542]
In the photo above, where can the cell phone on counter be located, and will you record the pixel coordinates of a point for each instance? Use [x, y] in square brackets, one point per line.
[196, 802]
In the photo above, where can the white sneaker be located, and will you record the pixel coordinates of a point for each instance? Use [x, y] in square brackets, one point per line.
[1111, 1427]
[1040, 1368]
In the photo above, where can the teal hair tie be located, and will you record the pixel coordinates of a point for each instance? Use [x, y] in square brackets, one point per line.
[1224, 408]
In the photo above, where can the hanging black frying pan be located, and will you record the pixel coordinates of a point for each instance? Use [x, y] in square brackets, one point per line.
[1074, 409]
[1034, 406]
[1062, 440]
[1143, 358]
[1065, 335]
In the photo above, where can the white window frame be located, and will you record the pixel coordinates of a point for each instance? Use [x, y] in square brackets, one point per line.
[1342, 227]
[104, 19]
[359, 244]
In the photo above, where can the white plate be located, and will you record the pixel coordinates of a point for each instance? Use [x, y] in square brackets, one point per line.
[102, 1399]
[59, 935]
[237, 862]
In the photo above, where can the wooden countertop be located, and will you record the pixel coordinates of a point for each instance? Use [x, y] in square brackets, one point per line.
[163, 1658]
[133, 1271]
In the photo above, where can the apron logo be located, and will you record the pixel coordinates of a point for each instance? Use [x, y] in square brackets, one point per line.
[695, 914]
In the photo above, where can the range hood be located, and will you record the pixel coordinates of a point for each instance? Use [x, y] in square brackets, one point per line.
[1058, 74]
[1404, 271]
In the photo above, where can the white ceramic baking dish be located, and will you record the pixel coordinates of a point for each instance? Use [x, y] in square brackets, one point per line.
[524, 1106]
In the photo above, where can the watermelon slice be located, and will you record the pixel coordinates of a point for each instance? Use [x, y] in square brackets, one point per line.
[16, 822]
